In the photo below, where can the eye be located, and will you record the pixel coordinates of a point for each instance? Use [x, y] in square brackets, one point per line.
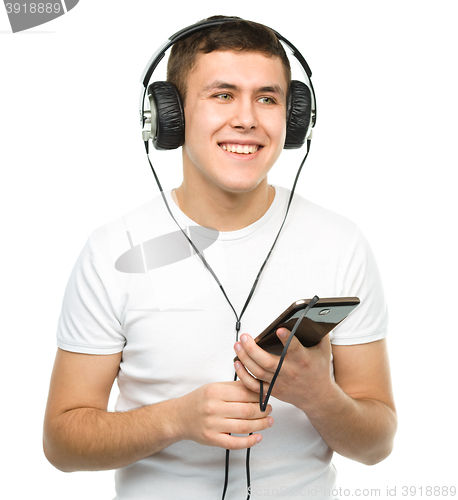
[266, 100]
[224, 97]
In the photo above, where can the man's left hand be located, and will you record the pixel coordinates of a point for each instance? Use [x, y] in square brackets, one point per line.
[305, 376]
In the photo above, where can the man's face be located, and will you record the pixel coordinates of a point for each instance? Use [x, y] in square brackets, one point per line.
[235, 119]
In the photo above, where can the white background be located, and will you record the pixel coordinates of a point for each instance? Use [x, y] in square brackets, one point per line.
[383, 154]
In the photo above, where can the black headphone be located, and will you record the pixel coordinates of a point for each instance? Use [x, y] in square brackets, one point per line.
[164, 122]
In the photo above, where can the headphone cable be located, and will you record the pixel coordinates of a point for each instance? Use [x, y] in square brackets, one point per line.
[250, 295]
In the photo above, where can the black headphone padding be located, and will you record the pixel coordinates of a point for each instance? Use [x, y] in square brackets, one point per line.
[298, 115]
[170, 116]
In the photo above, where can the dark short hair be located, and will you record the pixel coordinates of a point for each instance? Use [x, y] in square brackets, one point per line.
[238, 35]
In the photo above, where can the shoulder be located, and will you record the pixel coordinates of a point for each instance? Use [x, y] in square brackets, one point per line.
[131, 227]
[320, 223]
[320, 215]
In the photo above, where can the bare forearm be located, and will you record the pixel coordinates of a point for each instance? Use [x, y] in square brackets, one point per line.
[224, 414]
[359, 429]
[92, 439]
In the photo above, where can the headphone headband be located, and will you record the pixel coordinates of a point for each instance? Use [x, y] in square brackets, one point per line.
[179, 35]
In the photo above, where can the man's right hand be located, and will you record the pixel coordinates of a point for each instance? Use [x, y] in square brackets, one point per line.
[213, 413]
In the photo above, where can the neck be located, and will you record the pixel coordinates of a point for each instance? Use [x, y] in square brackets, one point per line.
[223, 210]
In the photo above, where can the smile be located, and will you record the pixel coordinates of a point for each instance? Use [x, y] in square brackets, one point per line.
[244, 149]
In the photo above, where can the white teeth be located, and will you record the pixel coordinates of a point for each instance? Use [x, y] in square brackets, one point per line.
[246, 150]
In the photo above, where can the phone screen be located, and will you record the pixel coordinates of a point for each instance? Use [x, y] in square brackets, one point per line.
[318, 322]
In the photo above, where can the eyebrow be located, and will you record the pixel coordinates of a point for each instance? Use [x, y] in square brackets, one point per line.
[220, 85]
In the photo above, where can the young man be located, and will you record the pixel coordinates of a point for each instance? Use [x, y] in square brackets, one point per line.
[167, 335]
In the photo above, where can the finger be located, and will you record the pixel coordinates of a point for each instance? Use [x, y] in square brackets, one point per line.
[295, 346]
[259, 362]
[231, 392]
[248, 380]
[296, 349]
[243, 427]
[238, 442]
[247, 411]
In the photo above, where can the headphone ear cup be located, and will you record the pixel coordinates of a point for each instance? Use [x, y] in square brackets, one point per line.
[298, 115]
[169, 116]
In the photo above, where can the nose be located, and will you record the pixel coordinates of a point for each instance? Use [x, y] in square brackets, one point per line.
[244, 115]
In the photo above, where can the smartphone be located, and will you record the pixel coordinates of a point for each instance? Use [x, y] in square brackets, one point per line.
[325, 315]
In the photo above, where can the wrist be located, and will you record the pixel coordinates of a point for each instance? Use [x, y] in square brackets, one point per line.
[174, 424]
[327, 402]
[162, 429]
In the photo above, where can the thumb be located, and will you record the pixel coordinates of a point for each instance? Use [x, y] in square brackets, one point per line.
[295, 345]
[283, 334]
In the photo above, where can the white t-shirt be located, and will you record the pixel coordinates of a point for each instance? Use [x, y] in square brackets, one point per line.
[177, 331]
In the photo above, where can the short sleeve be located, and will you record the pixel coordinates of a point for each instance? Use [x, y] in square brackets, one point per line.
[361, 278]
[90, 321]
